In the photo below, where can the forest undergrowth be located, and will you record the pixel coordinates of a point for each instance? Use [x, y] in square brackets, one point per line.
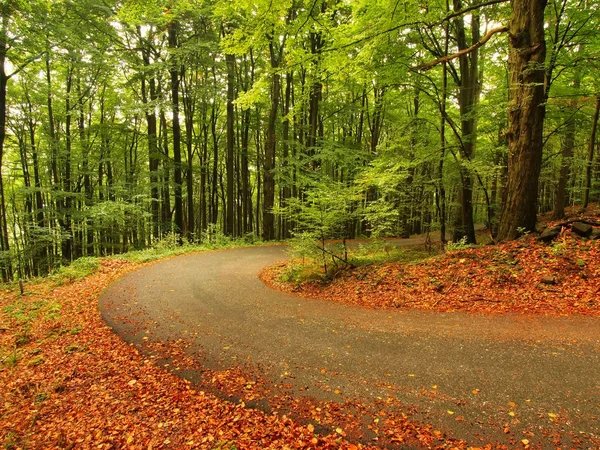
[522, 276]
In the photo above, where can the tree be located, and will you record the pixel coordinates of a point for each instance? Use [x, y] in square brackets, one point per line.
[525, 117]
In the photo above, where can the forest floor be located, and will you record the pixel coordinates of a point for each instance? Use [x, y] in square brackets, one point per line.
[522, 276]
[68, 381]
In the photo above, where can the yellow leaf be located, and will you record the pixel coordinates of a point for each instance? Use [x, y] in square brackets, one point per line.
[525, 441]
[552, 415]
[339, 430]
[512, 414]
[450, 412]
[130, 439]
[310, 427]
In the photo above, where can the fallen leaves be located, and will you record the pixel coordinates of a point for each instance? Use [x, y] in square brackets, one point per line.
[493, 279]
[103, 393]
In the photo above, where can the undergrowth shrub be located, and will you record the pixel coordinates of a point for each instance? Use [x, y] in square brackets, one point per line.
[78, 269]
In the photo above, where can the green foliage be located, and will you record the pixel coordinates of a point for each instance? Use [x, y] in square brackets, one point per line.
[171, 245]
[377, 251]
[77, 270]
[461, 244]
[10, 358]
[325, 212]
[305, 263]
[383, 217]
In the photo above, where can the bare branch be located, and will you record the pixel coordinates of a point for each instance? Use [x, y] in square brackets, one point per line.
[465, 51]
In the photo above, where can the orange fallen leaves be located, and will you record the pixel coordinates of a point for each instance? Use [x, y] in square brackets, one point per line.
[74, 384]
[492, 279]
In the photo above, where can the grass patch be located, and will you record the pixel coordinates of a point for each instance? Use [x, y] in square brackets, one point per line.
[377, 252]
[166, 247]
[78, 269]
[171, 246]
[9, 358]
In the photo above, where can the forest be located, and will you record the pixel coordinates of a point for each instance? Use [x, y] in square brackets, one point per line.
[127, 122]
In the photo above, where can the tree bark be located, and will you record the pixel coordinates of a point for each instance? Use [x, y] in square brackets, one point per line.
[229, 219]
[178, 179]
[467, 99]
[67, 243]
[149, 96]
[270, 147]
[590, 156]
[526, 117]
[568, 150]
[6, 268]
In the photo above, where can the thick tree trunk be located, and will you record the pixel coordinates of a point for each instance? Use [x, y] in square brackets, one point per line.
[526, 117]
[316, 89]
[204, 170]
[87, 182]
[166, 215]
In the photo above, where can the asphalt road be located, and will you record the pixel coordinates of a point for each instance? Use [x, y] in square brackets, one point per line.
[539, 375]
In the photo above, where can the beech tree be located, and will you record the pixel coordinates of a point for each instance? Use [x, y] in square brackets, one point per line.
[526, 111]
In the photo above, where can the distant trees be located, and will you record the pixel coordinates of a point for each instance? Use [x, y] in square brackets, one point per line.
[124, 122]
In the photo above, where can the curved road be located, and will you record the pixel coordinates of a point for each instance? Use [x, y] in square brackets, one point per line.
[526, 372]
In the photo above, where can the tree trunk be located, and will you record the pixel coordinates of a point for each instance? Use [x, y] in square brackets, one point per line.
[568, 150]
[149, 96]
[6, 268]
[526, 117]
[441, 195]
[174, 72]
[286, 191]
[189, 108]
[214, 200]
[590, 157]
[270, 147]
[229, 219]
[467, 99]
[67, 243]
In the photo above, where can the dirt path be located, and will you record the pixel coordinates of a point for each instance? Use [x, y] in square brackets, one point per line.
[505, 378]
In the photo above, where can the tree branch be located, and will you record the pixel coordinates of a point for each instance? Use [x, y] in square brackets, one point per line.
[415, 24]
[465, 51]
[25, 63]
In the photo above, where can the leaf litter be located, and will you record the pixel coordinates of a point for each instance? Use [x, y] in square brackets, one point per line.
[66, 381]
